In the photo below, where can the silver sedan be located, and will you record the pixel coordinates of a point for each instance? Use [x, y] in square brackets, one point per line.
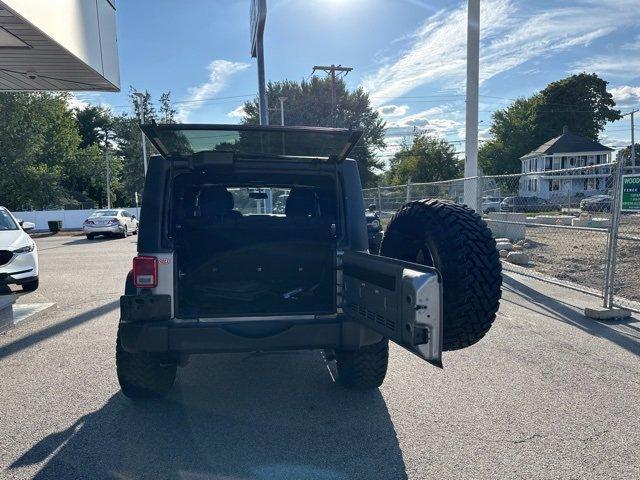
[112, 222]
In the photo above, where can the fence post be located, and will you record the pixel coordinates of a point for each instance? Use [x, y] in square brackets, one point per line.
[379, 199]
[408, 197]
[612, 243]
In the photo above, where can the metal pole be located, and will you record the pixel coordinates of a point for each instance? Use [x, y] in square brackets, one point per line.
[633, 142]
[379, 199]
[142, 136]
[282, 99]
[106, 161]
[473, 78]
[610, 273]
[333, 95]
[262, 92]
[408, 193]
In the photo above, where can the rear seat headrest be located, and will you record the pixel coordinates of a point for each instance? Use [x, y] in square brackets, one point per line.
[215, 201]
[302, 202]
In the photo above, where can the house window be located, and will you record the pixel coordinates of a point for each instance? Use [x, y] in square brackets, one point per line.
[591, 183]
[548, 163]
[535, 184]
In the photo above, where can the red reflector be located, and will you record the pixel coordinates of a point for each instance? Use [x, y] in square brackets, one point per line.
[145, 272]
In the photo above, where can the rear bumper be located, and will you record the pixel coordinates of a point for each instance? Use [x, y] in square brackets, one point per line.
[102, 229]
[161, 335]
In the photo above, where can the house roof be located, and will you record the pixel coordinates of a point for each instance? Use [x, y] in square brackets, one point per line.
[568, 142]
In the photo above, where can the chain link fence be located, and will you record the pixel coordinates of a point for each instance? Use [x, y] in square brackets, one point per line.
[554, 225]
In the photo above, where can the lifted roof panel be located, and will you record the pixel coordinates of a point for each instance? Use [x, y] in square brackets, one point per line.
[249, 141]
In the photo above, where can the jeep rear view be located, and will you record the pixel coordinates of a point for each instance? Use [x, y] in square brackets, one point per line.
[255, 239]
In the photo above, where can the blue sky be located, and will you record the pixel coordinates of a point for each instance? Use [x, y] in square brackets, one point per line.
[409, 54]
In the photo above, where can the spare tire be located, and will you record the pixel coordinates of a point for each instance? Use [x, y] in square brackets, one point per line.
[455, 240]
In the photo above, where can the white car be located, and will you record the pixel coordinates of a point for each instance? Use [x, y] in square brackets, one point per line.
[491, 204]
[18, 253]
[115, 221]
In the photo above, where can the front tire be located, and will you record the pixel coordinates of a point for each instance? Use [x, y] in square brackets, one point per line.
[365, 368]
[455, 240]
[141, 375]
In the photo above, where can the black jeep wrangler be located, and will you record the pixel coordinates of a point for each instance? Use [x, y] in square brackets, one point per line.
[218, 270]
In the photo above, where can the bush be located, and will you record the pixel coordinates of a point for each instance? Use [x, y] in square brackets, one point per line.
[55, 225]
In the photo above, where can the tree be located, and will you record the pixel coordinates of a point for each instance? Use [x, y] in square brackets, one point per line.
[625, 155]
[580, 102]
[39, 137]
[424, 159]
[309, 103]
[167, 112]
[91, 122]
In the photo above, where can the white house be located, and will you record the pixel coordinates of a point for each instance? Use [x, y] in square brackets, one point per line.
[566, 151]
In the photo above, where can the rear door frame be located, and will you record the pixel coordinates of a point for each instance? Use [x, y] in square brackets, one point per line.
[378, 292]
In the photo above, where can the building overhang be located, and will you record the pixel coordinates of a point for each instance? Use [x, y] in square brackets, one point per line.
[66, 45]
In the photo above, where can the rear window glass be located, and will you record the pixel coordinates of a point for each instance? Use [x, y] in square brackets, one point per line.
[105, 213]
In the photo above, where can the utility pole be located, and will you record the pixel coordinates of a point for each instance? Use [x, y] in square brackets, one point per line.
[258, 18]
[282, 99]
[633, 138]
[107, 166]
[331, 70]
[471, 190]
[142, 136]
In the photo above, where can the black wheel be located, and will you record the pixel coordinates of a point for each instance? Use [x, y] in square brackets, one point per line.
[31, 286]
[90, 236]
[143, 376]
[364, 368]
[455, 240]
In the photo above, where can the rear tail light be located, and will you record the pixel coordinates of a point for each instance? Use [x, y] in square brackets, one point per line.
[113, 222]
[145, 272]
[88, 222]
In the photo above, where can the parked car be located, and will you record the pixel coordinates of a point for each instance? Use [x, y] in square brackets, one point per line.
[210, 279]
[596, 203]
[112, 222]
[528, 205]
[18, 253]
[491, 204]
[374, 229]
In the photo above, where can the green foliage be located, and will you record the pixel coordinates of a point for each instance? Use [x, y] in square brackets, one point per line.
[424, 159]
[54, 156]
[580, 102]
[309, 103]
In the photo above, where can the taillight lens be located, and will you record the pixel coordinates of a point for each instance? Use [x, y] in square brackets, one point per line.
[145, 272]
[113, 222]
[88, 222]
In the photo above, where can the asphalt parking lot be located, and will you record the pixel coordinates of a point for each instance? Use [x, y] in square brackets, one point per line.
[547, 394]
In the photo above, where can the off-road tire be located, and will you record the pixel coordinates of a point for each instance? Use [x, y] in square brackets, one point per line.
[364, 368]
[461, 247]
[31, 286]
[142, 375]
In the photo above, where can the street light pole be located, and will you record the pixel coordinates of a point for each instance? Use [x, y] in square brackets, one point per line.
[282, 99]
[471, 191]
[258, 18]
[142, 137]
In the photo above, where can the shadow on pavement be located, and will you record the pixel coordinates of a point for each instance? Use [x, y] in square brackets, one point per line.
[266, 416]
[572, 315]
[55, 329]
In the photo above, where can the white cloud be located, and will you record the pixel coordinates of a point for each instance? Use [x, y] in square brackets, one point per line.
[510, 35]
[430, 121]
[237, 112]
[626, 96]
[624, 67]
[393, 110]
[219, 73]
